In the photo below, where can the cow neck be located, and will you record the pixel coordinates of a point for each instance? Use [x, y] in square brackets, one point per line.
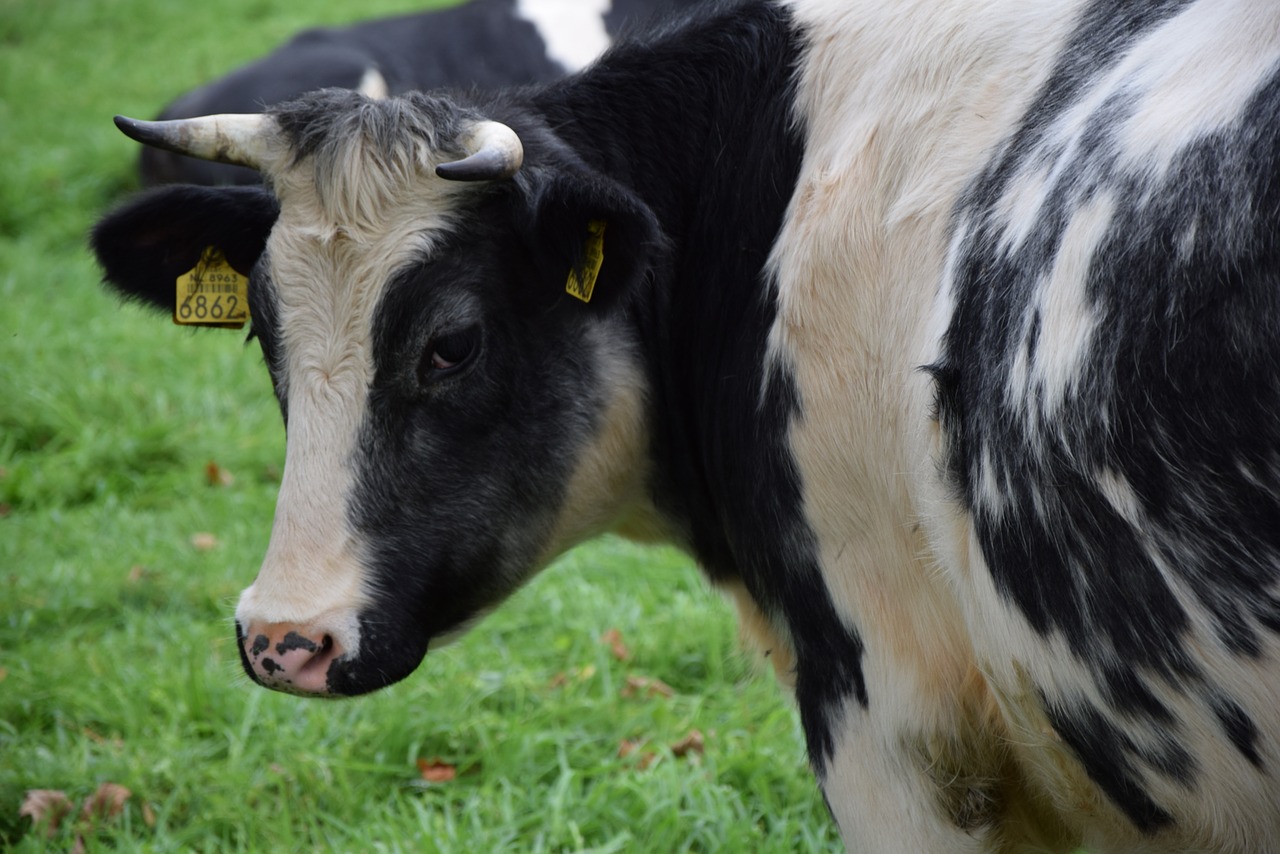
[699, 124]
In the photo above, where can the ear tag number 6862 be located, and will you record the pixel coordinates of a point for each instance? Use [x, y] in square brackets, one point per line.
[212, 293]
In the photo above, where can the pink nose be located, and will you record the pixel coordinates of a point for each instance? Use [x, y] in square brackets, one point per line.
[289, 657]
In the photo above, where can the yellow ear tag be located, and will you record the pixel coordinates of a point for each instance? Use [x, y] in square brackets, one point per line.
[593, 257]
[212, 293]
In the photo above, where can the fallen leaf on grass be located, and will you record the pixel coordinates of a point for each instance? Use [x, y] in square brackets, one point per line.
[148, 815]
[646, 685]
[581, 674]
[99, 738]
[691, 746]
[204, 541]
[4, 674]
[437, 771]
[137, 572]
[216, 475]
[106, 803]
[691, 743]
[50, 807]
[613, 638]
[644, 758]
[43, 806]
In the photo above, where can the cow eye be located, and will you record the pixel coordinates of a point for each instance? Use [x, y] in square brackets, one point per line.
[446, 353]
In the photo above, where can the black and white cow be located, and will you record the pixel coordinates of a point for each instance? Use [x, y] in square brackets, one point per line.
[481, 43]
[944, 333]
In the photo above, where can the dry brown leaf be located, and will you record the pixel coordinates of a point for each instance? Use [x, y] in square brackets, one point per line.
[99, 738]
[436, 770]
[644, 758]
[613, 638]
[106, 803]
[137, 572]
[647, 686]
[204, 541]
[216, 475]
[43, 806]
[578, 674]
[148, 815]
[693, 743]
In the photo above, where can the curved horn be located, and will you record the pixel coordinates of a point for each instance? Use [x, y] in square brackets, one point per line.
[493, 152]
[239, 139]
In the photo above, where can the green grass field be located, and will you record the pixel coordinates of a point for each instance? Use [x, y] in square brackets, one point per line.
[117, 662]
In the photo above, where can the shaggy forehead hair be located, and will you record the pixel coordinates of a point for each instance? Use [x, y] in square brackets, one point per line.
[361, 152]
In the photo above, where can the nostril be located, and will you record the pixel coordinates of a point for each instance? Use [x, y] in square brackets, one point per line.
[290, 656]
[324, 655]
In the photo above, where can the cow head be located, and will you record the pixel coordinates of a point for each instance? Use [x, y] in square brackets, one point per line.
[454, 417]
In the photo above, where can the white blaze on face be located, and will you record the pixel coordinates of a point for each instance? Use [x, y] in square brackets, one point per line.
[330, 263]
[573, 29]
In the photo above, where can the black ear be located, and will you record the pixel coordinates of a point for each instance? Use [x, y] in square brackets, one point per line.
[145, 244]
[583, 223]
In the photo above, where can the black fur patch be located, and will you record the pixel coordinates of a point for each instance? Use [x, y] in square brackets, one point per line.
[441, 466]
[156, 236]
[1240, 728]
[1175, 398]
[1102, 750]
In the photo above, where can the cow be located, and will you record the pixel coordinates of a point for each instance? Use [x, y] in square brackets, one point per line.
[482, 43]
[941, 332]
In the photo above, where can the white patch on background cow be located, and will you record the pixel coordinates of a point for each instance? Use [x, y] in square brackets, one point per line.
[331, 256]
[573, 29]
[1068, 317]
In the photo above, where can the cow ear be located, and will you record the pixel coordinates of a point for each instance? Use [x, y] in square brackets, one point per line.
[148, 242]
[593, 241]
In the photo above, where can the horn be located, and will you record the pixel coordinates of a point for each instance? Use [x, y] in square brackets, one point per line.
[239, 139]
[493, 152]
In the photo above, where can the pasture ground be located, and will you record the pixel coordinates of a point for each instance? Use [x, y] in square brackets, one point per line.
[138, 469]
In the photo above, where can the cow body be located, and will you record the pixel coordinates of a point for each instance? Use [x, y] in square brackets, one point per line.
[940, 332]
[482, 43]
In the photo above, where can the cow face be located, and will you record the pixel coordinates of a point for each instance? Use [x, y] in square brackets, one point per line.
[454, 418]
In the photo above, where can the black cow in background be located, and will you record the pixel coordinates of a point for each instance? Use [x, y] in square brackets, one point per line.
[482, 43]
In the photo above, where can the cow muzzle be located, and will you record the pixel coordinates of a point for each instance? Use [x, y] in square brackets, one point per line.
[289, 657]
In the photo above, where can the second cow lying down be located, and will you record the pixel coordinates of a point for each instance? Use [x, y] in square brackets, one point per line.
[481, 43]
[942, 332]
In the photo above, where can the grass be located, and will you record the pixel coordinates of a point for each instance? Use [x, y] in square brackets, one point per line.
[116, 655]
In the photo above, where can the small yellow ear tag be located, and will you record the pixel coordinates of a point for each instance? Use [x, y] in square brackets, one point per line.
[212, 293]
[593, 257]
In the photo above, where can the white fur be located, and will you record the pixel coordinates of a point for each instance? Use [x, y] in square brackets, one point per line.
[332, 254]
[901, 104]
[1068, 319]
[573, 29]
